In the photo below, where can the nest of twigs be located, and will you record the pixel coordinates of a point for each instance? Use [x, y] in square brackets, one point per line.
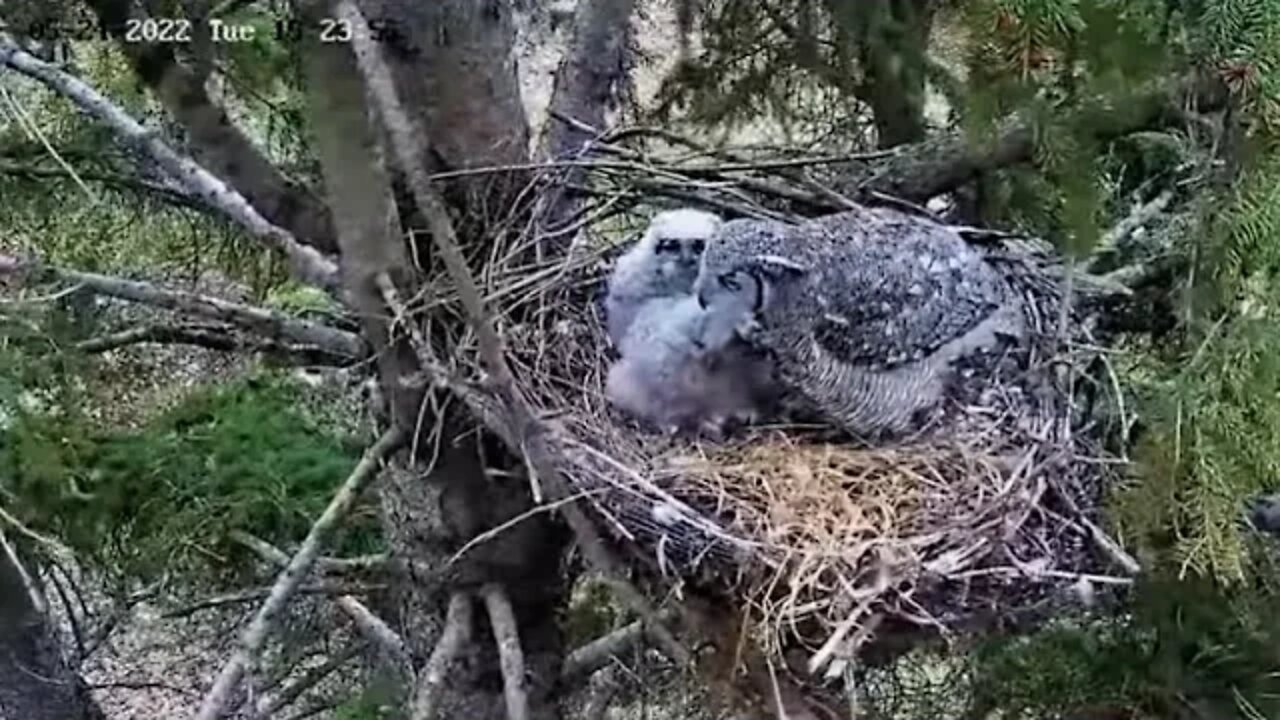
[818, 539]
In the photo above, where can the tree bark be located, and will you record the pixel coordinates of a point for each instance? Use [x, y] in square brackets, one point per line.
[429, 513]
[36, 683]
[454, 65]
[587, 84]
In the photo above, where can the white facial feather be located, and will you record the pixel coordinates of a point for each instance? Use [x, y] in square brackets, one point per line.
[664, 263]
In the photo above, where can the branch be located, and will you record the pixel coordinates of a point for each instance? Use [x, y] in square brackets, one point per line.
[502, 618]
[306, 262]
[255, 594]
[591, 657]
[213, 337]
[456, 633]
[523, 432]
[287, 582]
[290, 694]
[923, 170]
[271, 324]
[161, 191]
[372, 627]
[379, 634]
[217, 142]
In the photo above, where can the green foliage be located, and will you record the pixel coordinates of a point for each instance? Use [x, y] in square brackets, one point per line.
[1187, 643]
[1212, 399]
[163, 498]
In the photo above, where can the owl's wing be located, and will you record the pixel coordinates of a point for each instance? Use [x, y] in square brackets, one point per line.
[897, 300]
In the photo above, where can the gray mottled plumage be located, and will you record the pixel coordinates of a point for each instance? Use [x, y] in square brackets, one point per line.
[865, 311]
[663, 264]
[683, 365]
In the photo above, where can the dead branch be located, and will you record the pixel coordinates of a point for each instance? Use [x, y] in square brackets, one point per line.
[454, 636]
[599, 653]
[212, 337]
[291, 577]
[271, 324]
[379, 634]
[372, 627]
[306, 262]
[520, 429]
[160, 191]
[294, 690]
[241, 597]
[506, 632]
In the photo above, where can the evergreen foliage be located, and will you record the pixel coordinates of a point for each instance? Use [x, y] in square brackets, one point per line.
[163, 498]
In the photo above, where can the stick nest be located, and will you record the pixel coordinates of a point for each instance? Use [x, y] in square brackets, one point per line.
[823, 542]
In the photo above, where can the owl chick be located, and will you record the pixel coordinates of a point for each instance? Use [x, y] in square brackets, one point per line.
[684, 366]
[663, 264]
[864, 312]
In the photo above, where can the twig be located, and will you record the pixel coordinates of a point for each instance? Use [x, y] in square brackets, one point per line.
[262, 321]
[256, 594]
[291, 577]
[598, 653]
[307, 263]
[506, 632]
[379, 634]
[374, 629]
[290, 693]
[455, 635]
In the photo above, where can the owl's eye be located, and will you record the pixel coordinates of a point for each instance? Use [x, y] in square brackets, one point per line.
[667, 246]
[698, 246]
[730, 281]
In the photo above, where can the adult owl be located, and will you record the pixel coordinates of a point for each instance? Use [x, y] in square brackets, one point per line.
[865, 312]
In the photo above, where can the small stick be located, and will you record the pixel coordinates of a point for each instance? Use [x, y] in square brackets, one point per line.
[456, 633]
[511, 656]
[291, 577]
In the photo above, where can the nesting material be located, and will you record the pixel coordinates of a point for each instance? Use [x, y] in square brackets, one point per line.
[986, 517]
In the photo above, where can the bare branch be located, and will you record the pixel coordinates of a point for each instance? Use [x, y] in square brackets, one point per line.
[213, 337]
[294, 690]
[115, 181]
[379, 634]
[455, 635]
[373, 628]
[268, 323]
[306, 262]
[241, 597]
[502, 618]
[597, 654]
[291, 577]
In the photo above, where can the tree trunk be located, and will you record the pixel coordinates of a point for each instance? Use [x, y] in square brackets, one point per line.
[35, 681]
[587, 84]
[430, 513]
[892, 38]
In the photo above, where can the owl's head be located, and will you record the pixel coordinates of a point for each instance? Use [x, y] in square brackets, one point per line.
[677, 239]
[729, 302]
